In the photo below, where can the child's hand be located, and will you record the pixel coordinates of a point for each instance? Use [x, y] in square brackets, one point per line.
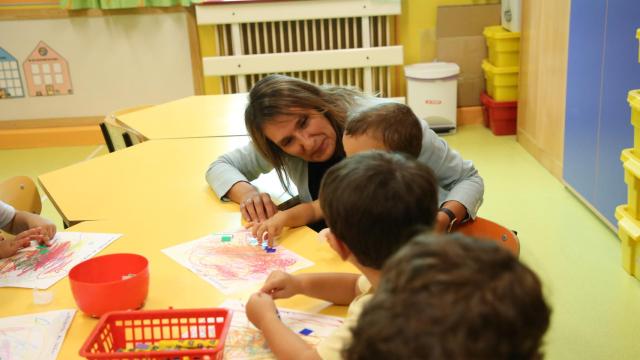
[281, 285]
[261, 308]
[8, 247]
[269, 229]
[39, 234]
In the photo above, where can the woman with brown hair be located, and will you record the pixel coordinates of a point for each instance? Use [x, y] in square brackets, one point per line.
[296, 127]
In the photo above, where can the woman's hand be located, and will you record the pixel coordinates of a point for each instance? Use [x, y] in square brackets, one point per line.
[257, 207]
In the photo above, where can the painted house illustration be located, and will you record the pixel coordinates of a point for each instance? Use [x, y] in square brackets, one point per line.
[10, 81]
[47, 73]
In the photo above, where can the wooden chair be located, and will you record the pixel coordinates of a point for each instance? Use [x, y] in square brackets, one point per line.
[21, 193]
[484, 229]
[117, 136]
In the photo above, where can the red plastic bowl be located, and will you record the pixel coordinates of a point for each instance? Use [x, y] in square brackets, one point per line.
[110, 282]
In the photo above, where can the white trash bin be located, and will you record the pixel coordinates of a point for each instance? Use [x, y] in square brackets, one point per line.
[432, 93]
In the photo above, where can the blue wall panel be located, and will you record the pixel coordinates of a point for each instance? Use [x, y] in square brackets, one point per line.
[621, 74]
[584, 76]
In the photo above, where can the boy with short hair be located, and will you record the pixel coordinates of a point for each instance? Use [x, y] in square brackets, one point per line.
[452, 297]
[374, 203]
[386, 126]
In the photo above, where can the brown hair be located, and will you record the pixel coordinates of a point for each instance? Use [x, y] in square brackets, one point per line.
[375, 201]
[452, 297]
[393, 123]
[277, 95]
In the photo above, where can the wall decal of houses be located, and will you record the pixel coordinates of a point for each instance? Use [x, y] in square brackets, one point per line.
[47, 73]
[10, 81]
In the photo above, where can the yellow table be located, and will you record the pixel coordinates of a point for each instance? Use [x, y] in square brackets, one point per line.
[149, 179]
[190, 117]
[170, 283]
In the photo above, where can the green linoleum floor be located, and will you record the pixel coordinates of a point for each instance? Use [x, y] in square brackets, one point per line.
[596, 305]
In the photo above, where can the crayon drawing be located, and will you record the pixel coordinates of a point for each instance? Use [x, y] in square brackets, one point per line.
[40, 266]
[244, 341]
[233, 261]
[34, 336]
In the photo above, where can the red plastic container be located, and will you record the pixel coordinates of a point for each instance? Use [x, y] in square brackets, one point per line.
[119, 330]
[501, 116]
[109, 283]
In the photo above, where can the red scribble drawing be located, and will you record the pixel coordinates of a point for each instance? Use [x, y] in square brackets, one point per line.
[233, 264]
[45, 260]
[42, 266]
[237, 262]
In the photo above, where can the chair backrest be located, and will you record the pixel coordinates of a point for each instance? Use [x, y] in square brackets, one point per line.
[117, 136]
[488, 230]
[21, 193]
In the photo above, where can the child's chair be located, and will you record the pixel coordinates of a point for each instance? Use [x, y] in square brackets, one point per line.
[117, 136]
[21, 193]
[484, 229]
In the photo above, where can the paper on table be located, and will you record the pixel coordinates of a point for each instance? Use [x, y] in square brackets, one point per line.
[41, 266]
[233, 261]
[34, 336]
[244, 341]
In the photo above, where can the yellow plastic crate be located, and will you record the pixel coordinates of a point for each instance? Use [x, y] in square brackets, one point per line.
[502, 82]
[633, 98]
[631, 165]
[629, 234]
[504, 46]
[638, 37]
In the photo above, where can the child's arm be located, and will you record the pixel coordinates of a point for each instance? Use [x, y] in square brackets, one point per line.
[338, 288]
[299, 215]
[23, 221]
[285, 344]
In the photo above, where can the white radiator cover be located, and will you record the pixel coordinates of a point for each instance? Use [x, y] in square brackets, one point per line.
[341, 42]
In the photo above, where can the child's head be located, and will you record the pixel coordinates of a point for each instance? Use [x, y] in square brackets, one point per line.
[386, 126]
[374, 202]
[453, 297]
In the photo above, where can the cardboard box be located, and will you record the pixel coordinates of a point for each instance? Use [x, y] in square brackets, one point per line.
[459, 39]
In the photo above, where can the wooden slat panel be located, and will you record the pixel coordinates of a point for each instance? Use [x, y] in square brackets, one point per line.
[543, 66]
[302, 61]
[295, 10]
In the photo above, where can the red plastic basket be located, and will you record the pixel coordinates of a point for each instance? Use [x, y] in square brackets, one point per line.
[118, 330]
[500, 116]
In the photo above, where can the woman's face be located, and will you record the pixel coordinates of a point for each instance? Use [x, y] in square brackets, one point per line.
[305, 133]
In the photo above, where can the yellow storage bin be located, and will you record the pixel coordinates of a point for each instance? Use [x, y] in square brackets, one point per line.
[504, 46]
[502, 82]
[631, 165]
[638, 37]
[629, 234]
[633, 98]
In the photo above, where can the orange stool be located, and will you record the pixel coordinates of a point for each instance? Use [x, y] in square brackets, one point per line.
[484, 229]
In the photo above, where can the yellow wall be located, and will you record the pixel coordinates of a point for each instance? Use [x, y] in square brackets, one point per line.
[416, 28]
[206, 35]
